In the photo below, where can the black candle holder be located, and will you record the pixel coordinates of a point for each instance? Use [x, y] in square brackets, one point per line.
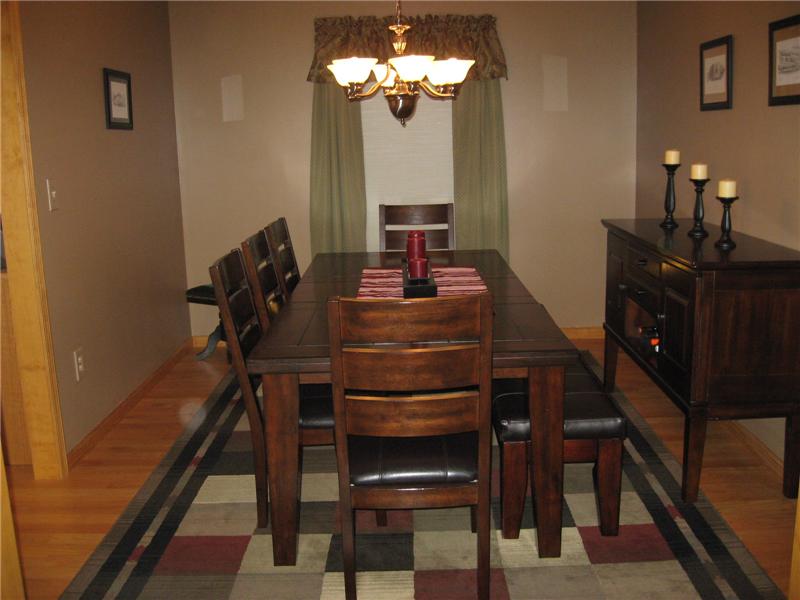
[725, 242]
[669, 198]
[697, 231]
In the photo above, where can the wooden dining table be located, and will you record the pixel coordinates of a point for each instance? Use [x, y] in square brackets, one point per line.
[527, 344]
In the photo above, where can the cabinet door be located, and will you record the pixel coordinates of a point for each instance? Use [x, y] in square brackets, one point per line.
[677, 315]
[615, 293]
[676, 328]
[675, 358]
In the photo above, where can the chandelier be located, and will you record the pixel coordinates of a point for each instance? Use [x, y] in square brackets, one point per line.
[403, 76]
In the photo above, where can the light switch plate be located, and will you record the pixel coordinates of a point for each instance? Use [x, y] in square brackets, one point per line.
[51, 195]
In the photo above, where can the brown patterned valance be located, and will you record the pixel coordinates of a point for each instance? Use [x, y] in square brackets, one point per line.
[443, 36]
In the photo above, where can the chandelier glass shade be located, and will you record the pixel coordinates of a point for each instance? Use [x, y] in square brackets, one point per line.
[403, 76]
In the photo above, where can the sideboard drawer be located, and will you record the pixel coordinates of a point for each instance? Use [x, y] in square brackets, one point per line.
[640, 259]
[643, 293]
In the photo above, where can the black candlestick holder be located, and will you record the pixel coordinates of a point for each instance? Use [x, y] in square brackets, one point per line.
[725, 242]
[697, 231]
[669, 198]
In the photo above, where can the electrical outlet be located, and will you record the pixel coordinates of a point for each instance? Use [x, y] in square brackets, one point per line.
[51, 195]
[80, 366]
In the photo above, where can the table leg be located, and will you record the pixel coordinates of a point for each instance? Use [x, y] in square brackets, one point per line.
[694, 440]
[546, 404]
[281, 408]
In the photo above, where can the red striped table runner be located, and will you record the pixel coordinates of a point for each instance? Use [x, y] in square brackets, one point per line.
[450, 281]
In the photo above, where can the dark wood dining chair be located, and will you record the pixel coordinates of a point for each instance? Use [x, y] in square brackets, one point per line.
[263, 276]
[406, 217]
[282, 251]
[412, 404]
[243, 330]
[594, 431]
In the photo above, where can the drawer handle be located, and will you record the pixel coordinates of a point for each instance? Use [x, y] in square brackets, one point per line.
[642, 262]
[622, 287]
[640, 292]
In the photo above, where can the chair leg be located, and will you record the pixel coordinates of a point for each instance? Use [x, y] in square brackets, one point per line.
[609, 484]
[262, 499]
[484, 541]
[381, 518]
[513, 485]
[260, 466]
[473, 518]
[348, 551]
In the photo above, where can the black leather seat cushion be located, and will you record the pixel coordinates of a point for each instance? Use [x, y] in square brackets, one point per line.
[588, 412]
[202, 294]
[316, 406]
[413, 461]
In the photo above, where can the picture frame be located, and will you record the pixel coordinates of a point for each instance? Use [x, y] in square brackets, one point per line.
[716, 74]
[784, 61]
[118, 99]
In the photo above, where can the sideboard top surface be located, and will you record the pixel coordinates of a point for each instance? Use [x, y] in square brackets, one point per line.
[702, 255]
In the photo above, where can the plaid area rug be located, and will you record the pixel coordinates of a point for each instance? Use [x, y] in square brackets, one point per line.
[190, 533]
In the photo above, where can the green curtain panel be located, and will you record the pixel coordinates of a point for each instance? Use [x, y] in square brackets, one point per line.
[338, 194]
[480, 186]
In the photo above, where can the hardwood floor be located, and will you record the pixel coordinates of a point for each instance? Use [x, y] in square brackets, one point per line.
[60, 523]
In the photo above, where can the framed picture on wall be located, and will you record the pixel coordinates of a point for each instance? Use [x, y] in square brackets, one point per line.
[119, 106]
[784, 61]
[716, 74]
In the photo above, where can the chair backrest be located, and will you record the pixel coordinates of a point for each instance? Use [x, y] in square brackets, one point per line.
[409, 368]
[406, 217]
[280, 247]
[238, 314]
[263, 277]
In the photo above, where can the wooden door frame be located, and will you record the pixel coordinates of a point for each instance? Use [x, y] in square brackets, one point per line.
[27, 291]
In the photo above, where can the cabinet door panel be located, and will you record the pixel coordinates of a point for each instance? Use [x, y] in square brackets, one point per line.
[676, 328]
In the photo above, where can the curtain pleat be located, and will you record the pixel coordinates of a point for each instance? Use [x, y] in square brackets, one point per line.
[338, 194]
[479, 167]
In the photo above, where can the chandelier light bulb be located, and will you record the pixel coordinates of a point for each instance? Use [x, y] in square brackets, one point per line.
[449, 72]
[413, 67]
[352, 70]
[380, 75]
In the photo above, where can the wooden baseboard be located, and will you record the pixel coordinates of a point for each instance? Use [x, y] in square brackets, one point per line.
[583, 333]
[757, 447]
[95, 435]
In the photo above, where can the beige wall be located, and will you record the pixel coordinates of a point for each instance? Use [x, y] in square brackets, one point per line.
[756, 144]
[566, 169]
[113, 251]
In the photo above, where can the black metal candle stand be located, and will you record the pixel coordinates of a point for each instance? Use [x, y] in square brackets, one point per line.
[669, 198]
[725, 242]
[697, 231]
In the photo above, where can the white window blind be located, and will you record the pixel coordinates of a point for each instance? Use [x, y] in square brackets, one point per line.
[406, 165]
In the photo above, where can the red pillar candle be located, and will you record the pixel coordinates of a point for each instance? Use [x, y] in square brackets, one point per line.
[417, 268]
[415, 244]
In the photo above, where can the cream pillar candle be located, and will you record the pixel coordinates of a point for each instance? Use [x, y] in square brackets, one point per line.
[699, 171]
[672, 157]
[727, 188]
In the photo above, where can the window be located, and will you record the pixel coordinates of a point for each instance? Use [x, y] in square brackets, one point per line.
[406, 165]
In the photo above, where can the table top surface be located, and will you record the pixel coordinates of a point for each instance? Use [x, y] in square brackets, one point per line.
[297, 341]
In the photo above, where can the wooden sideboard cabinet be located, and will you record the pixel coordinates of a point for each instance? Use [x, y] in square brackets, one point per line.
[719, 332]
